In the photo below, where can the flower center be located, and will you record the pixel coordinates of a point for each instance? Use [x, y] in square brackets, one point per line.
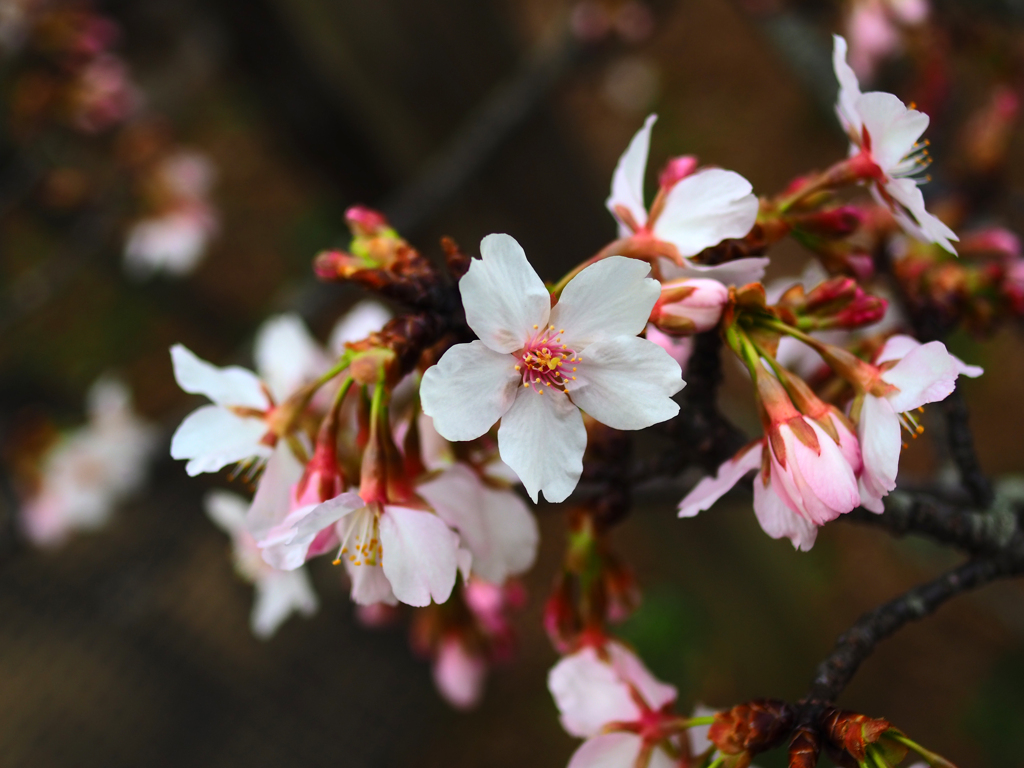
[546, 361]
[361, 542]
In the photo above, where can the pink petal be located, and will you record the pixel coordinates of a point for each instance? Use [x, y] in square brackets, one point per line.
[711, 489]
[419, 555]
[628, 178]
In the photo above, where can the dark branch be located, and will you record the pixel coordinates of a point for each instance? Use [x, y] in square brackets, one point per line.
[961, 448]
[857, 643]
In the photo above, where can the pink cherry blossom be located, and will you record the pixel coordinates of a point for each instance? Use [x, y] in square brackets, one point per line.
[876, 30]
[459, 674]
[535, 366]
[775, 515]
[884, 131]
[278, 593]
[689, 306]
[608, 697]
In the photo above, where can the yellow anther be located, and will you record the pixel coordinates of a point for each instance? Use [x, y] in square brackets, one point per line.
[574, 370]
[919, 430]
[536, 326]
[518, 367]
[551, 328]
[336, 561]
[562, 331]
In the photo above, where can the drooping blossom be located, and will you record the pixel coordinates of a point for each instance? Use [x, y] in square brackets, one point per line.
[809, 461]
[393, 553]
[694, 210]
[776, 518]
[886, 133]
[91, 469]
[535, 366]
[876, 29]
[464, 645]
[240, 424]
[476, 497]
[279, 594]
[910, 375]
[607, 696]
[175, 239]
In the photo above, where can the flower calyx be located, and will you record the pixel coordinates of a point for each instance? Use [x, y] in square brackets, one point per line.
[839, 302]
[856, 740]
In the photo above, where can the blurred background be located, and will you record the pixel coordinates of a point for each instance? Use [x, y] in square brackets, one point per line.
[251, 125]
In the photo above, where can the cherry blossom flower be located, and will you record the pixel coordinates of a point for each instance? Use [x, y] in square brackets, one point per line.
[608, 697]
[694, 211]
[91, 469]
[279, 594]
[774, 515]
[459, 674]
[535, 366]
[239, 425]
[176, 240]
[393, 552]
[886, 133]
[910, 375]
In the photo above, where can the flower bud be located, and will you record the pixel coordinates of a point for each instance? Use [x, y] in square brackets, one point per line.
[366, 222]
[997, 240]
[751, 727]
[689, 306]
[675, 170]
[833, 223]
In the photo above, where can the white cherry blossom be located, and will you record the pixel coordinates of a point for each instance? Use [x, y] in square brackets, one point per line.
[236, 428]
[535, 366]
[91, 469]
[913, 374]
[885, 129]
[279, 594]
[700, 210]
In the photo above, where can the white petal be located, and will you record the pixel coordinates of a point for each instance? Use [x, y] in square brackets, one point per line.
[892, 127]
[359, 322]
[369, 585]
[896, 348]
[627, 383]
[436, 451]
[613, 297]
[542, 438]
[287, 356]
[628, 178]
[879, 434]
[213, 437]
[224, 386]
[915, 219]
[226, 509]
[630, 669]
[419, 555]
[589, 694]
[503, 296]
[272, 501]
[286, 544]
[738, 272]
[278, 596]
[706, 208]
[609, 750]
[779, 521]
[849, 88]
[495, 525]
[711, 489]
[926, 374]
[469, 389]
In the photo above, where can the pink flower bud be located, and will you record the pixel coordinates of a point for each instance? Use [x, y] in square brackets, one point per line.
[689, 306]
[992, 240]
[832, 223]
[365, 222]
[677, 169]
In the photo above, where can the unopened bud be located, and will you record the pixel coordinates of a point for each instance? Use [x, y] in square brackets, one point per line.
[689, 306]
[995, 240]
[336, 265]
[833, 291]
[677, 169]
[366, 222]
[852, 733]
[834, 223]
[561, 619]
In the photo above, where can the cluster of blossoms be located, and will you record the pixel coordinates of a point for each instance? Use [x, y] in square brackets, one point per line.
[83, 474]
[398, 449]
[66, 73]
